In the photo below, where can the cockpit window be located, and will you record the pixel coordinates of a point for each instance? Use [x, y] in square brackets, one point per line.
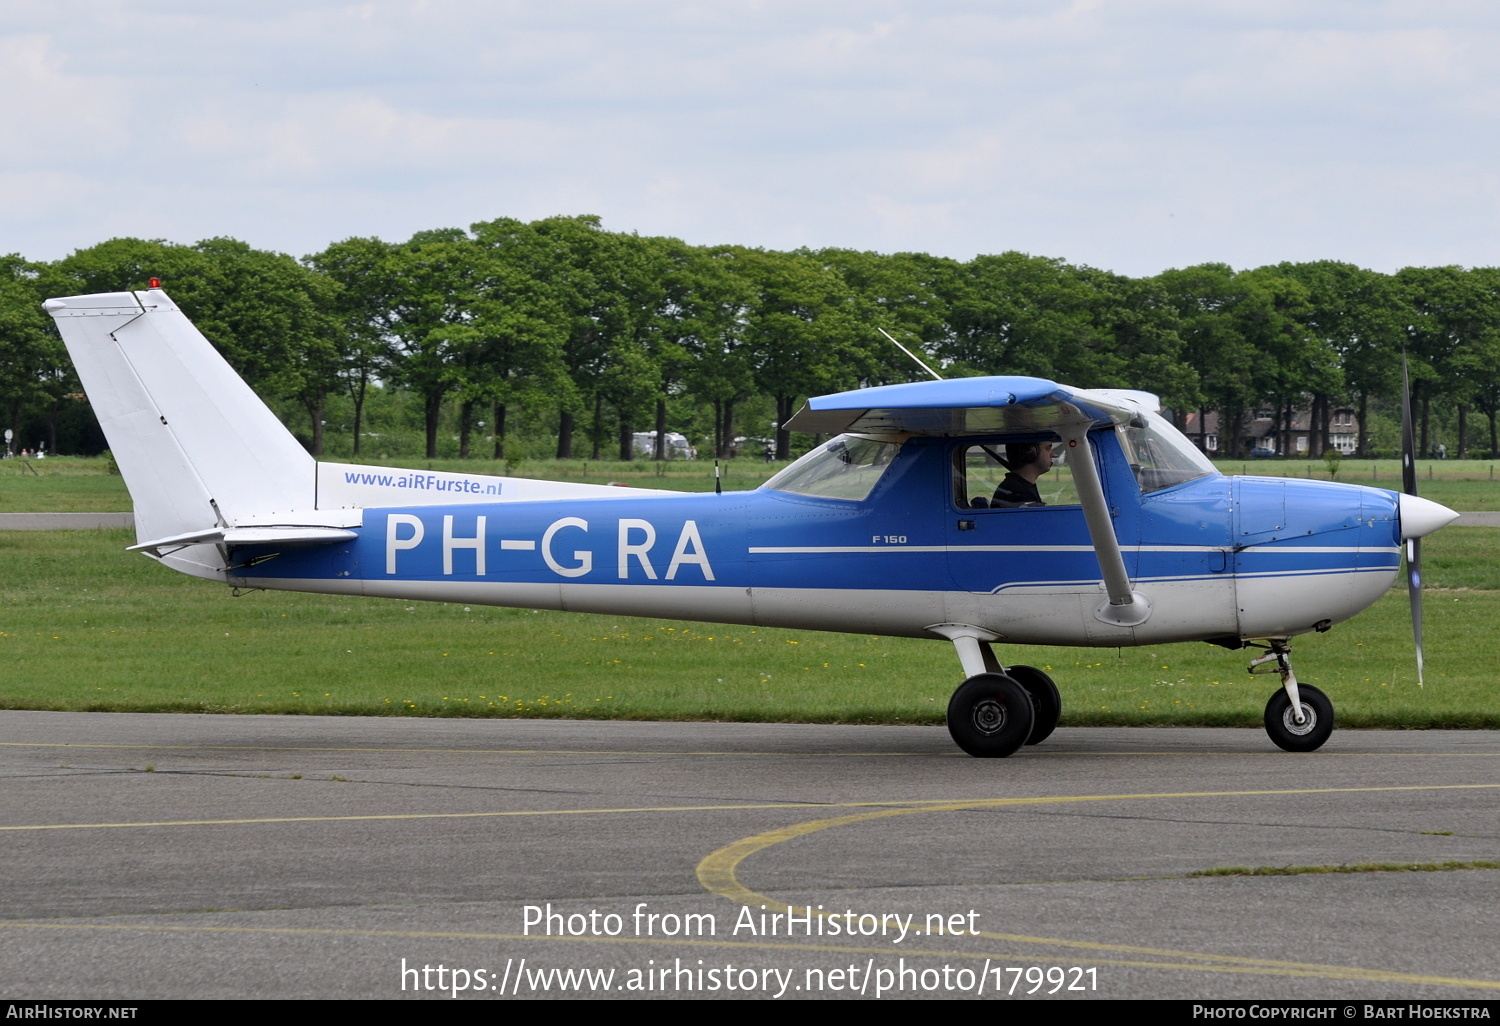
[846, 468]
[1160, 455]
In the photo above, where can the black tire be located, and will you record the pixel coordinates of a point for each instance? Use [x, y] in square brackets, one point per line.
[1287, 732]
[990, 716]
[1046, 702]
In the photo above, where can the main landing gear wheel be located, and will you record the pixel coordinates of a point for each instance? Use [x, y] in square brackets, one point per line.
[1045, 700]
[990, 716]
[1282, 725]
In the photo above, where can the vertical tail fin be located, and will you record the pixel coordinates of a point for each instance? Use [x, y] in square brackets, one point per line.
[196, 446]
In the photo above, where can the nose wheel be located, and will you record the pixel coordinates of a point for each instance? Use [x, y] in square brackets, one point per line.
[1299, 717]
[1316, 725]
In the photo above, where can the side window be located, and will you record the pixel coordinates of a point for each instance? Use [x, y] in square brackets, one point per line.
[846, 468]
[978, 472]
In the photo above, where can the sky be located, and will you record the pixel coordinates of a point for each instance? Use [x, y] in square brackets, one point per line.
[1129, 135]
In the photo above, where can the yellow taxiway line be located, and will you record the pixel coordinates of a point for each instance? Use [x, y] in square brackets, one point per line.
[718, 873]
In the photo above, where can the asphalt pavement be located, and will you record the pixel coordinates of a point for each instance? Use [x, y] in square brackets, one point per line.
[169, 856]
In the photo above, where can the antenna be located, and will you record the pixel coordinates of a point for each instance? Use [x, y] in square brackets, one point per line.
[911, 354]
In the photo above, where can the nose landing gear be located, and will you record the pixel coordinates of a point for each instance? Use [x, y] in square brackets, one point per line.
[1299, 717]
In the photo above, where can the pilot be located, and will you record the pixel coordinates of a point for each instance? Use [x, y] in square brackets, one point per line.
[1028, 461]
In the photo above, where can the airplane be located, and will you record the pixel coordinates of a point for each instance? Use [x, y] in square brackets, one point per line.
[887, 529]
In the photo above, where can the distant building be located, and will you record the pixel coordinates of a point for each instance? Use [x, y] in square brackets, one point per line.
[1204, 434]
[1263, 430]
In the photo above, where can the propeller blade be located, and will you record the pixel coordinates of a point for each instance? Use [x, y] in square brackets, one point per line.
[1408, 437]
[1409, 486]
[1414, 592]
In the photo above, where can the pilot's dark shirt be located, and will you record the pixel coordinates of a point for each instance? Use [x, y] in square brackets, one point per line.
[1015, 490]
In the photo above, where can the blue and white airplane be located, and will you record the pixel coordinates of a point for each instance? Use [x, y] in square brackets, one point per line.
[887, 529]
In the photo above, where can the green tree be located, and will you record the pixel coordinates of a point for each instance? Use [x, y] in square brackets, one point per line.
[1294, 365]
[1014, 314]
[274, 320]
[1209, 302]
[1126, 337]
[1470, 310]
[1453, 310]
[270, 316]
[125, 265]
[35, 373]
[435, 283]
[803, 333]
[583, 268]
[364, 304]
[898, 294]
[523, 323]
[711, 300]
[1019, 314]
[1362, 317]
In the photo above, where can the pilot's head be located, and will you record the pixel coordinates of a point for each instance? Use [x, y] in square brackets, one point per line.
[1029, 459]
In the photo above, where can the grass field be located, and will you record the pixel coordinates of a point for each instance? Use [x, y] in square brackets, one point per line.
[86, 625]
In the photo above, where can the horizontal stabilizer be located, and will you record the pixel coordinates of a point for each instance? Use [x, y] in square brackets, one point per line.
[248, 536]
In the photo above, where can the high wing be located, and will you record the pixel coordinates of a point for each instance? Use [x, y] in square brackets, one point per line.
[1007, 405]
[971, 406]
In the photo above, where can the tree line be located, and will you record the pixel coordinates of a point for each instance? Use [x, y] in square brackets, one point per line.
[585, 336]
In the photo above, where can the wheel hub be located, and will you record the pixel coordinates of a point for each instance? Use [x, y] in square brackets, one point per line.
[1309, 720]
[989, 716]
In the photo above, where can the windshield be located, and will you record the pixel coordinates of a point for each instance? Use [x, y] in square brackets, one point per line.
[846, 468]
[1160, 455]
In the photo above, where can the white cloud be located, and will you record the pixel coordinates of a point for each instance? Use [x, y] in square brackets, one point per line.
[48, 111]
[1130, 136]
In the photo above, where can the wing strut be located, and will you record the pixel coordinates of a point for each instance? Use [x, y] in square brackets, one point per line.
[1125, 607]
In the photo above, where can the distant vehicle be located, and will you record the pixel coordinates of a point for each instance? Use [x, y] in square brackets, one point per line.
[678, 447]
[1261, 452]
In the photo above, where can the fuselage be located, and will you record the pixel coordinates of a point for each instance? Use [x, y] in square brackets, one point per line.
[1220, 558]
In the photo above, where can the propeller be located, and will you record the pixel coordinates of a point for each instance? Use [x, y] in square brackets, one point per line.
[1419, 516]
[1413, 543]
